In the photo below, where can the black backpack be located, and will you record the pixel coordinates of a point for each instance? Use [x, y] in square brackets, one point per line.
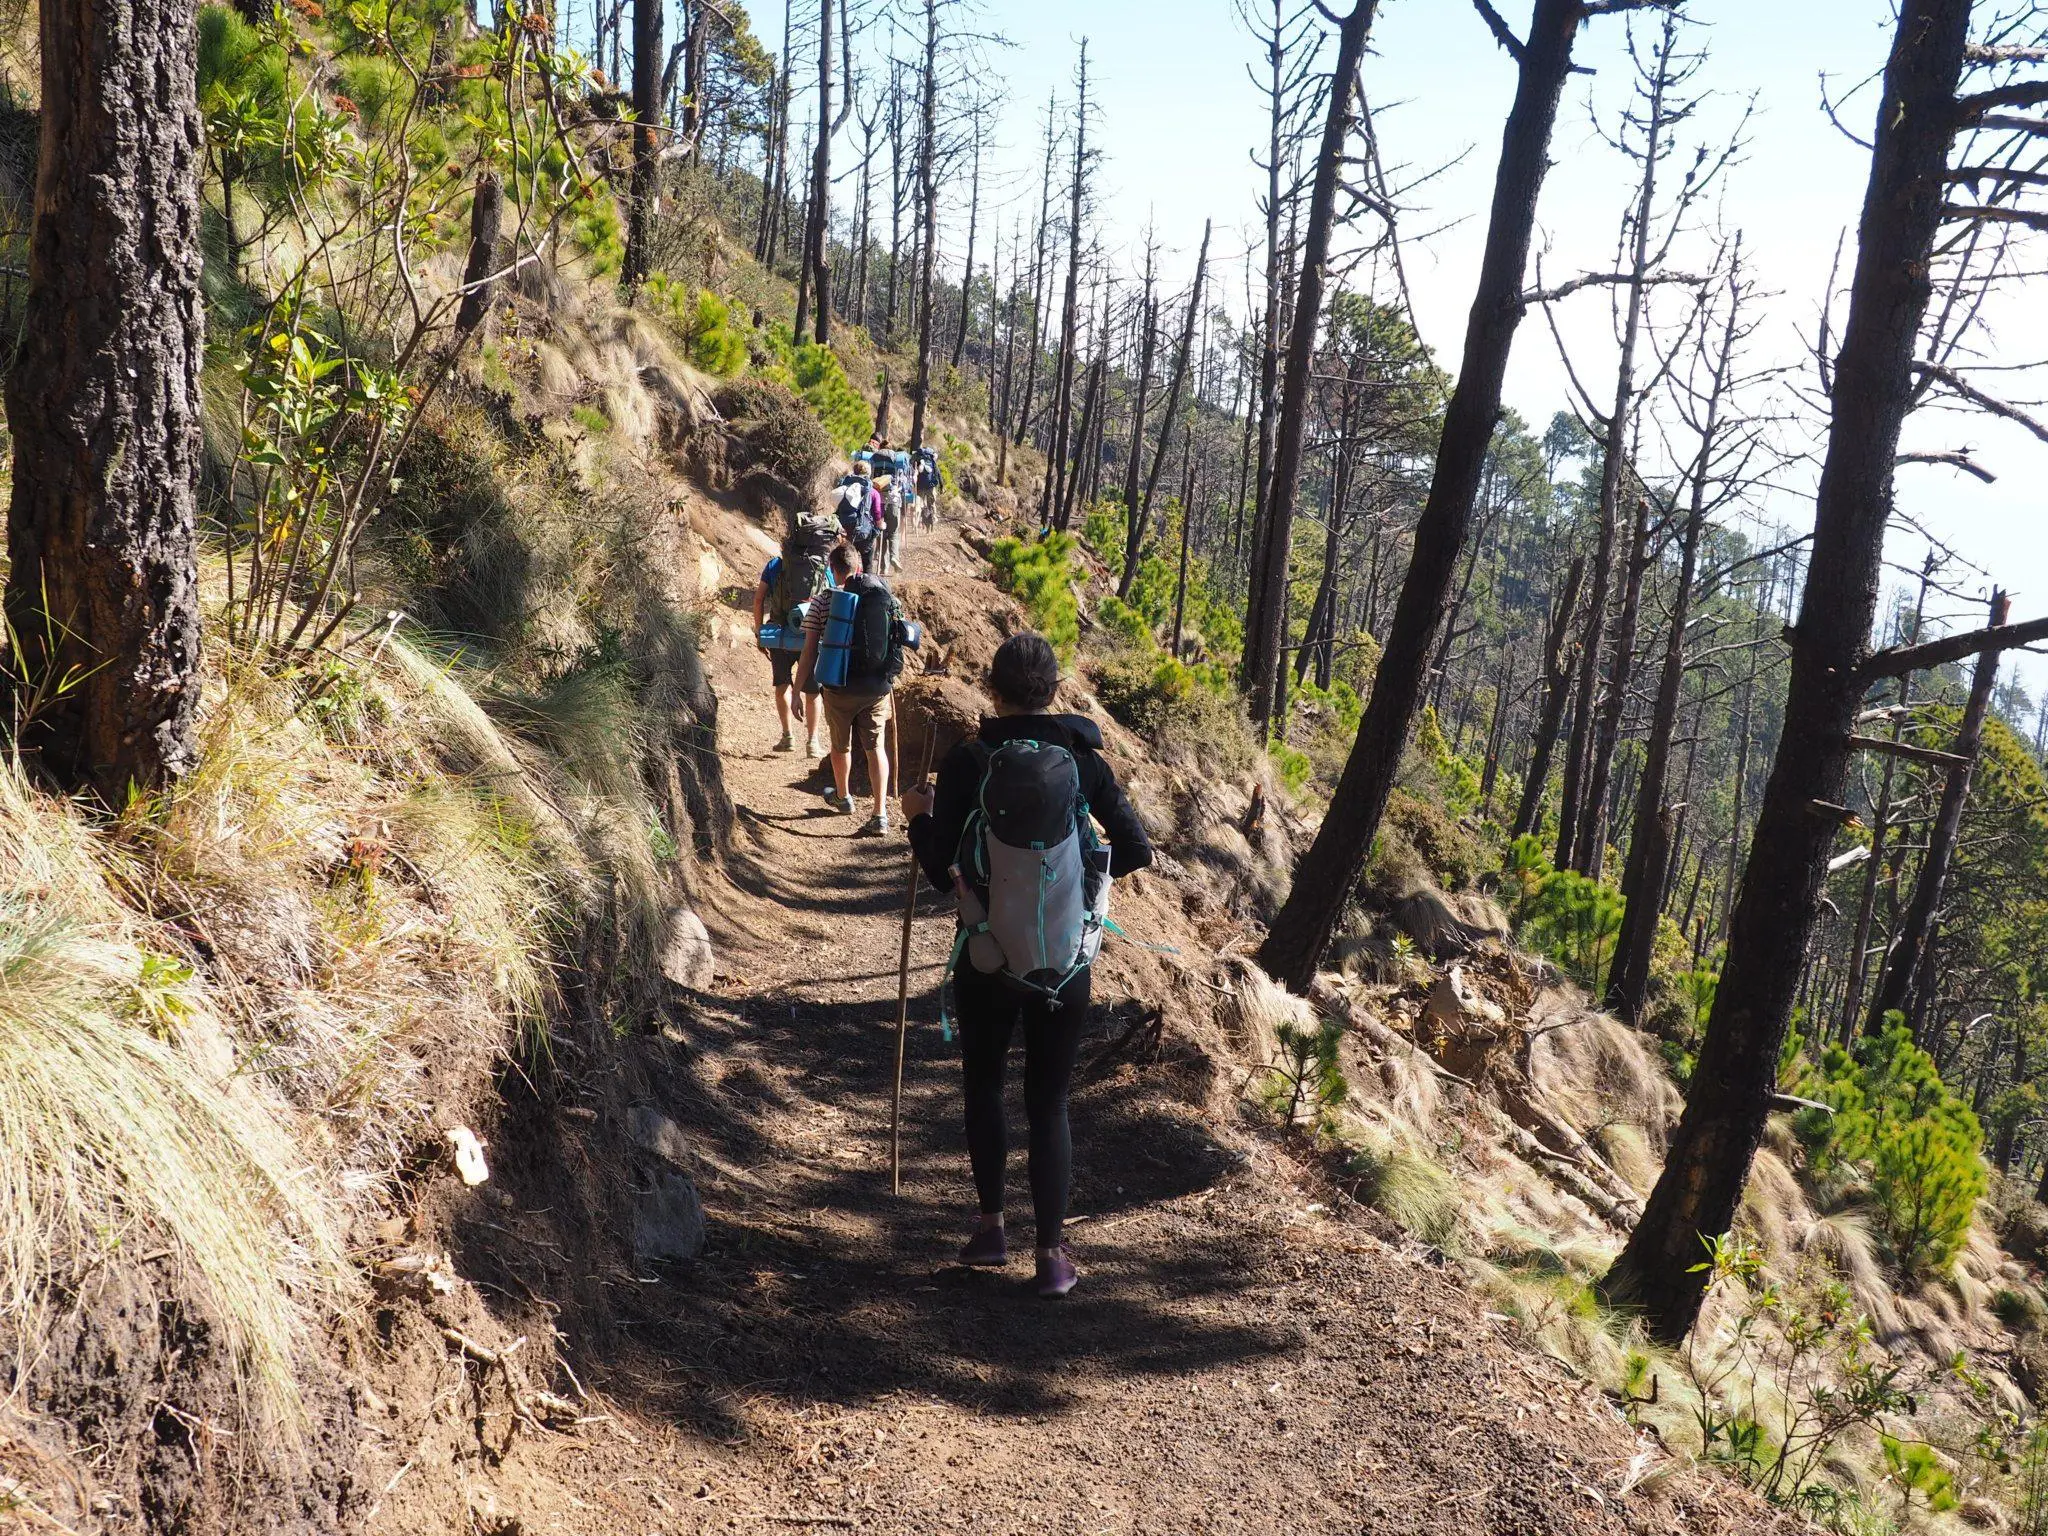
[804, 572]
[856, 511]
[930, 477]
[875, 656]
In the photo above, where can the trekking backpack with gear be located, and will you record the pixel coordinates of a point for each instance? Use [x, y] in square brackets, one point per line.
[930, 478]
[855, 508]
[862, 647]
[802, 573]
[1031, 861]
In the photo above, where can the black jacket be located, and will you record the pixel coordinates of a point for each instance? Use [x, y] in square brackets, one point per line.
[936, 838]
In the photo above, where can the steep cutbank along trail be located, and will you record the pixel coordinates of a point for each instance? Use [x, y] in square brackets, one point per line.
[1248, 1350]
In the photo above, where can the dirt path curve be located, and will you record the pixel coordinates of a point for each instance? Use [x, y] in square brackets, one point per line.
[1238, 1358]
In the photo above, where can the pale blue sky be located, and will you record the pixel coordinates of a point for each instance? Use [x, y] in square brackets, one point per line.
[1179, 116]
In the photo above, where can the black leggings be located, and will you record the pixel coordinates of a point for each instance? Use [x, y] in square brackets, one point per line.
[989, 1013]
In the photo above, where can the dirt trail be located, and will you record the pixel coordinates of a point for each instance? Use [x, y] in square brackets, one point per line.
[1245, 1353]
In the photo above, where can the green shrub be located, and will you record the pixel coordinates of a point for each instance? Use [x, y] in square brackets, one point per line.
[1297, 769]
[1919, 1141]
[1571, 919]
[821, 380]
[1125, 623]
[1207, 611]
[704, 322]
[1040, 574]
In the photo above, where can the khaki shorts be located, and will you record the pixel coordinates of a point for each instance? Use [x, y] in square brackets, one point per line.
[856, 719]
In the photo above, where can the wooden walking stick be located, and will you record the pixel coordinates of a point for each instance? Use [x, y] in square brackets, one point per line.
[903, 973]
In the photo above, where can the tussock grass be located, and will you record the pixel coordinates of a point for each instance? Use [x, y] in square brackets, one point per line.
[114, 1133]
[1419, 1194]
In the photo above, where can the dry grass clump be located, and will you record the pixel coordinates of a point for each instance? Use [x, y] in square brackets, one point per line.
[125, 1122]
[368, 874]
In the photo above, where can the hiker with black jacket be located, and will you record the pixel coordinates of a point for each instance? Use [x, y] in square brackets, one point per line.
[1008, 821]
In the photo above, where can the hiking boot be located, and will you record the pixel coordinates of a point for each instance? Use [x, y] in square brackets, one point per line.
[814, 748]
[1056, 1274]
[874, 826]
[989, 1248]
[787, 744]
[834, 800]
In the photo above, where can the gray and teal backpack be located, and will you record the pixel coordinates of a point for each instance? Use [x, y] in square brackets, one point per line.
[1031, 852]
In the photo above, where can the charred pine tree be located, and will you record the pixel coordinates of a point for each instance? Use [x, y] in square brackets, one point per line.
[1141, 523]
[103, 405]
[644, 203]
[1919, 113]
[1557, 675]
[928, 211]
[1595, 730]
[1649, 848]
[1881, 825]
[967, 272]
[1148, 324]
[1290, 57]
[1038, 274]
[1070, 313]
[1326, 874]
[1263, 645]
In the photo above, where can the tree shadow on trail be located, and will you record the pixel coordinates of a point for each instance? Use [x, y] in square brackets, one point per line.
[818, 1286]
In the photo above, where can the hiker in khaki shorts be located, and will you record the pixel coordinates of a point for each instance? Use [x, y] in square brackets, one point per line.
[857, 709]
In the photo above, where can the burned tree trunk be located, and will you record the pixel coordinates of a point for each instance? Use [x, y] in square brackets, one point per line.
[1324, 878]
[1557, 675]
[1269, 577]
[1070, 313]
[645, 200]
[1645, 873]
[1708, 1163]
[1142, 523]
[1134, 533]
[928, 210]
[1592, 836]
[103, 405]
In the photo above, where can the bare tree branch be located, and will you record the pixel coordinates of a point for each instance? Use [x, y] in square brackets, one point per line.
[1955, 459]
[1982, 55]
[1897, 660]
[2025, 218]
[1502, 32]
[2025, 93]
[1608, 279]
[1968, 391]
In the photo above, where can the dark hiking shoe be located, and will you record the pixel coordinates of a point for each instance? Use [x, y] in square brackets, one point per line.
[1056, 1275]
[843, 804]
[874, 826]
[989, 1248]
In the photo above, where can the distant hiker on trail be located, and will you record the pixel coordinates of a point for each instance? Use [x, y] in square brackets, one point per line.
[889, 483]
[930, 481]
[858, 506]
[781, 604]
[905, 513]
[1008, 828]
[853, 646]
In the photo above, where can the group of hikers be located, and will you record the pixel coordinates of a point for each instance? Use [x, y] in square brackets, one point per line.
[1025, 826]
[833, 632]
